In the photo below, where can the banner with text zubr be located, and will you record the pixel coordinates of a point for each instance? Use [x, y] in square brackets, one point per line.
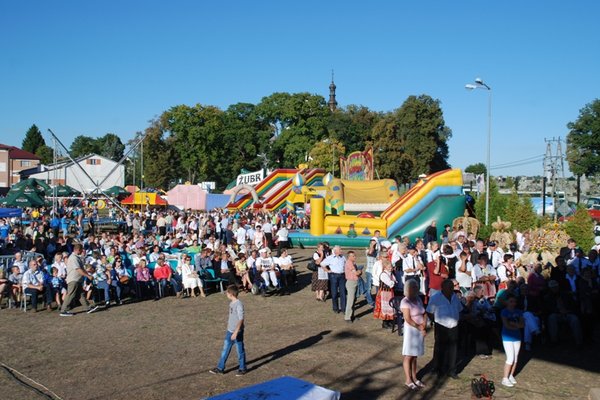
[251, 178]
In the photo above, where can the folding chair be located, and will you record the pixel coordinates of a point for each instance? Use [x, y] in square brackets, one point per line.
[24, 299]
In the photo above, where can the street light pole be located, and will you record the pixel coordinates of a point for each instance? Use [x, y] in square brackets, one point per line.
[479, 84]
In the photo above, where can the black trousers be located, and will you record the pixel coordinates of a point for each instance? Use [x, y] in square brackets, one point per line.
[444, 349]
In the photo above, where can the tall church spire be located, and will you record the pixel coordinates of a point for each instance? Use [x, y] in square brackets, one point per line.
[332, 101]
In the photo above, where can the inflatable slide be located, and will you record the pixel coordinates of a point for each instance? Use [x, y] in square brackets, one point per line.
[437, 197]
[273, 191]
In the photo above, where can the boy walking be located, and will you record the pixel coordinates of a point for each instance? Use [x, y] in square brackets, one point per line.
[234, 334]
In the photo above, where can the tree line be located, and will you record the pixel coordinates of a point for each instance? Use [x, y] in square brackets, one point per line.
[205, 143]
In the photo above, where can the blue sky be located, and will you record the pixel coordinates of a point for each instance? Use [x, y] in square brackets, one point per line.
[96, 67]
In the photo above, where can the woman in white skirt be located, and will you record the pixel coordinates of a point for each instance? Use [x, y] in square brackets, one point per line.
[190, 278]
[415, 322]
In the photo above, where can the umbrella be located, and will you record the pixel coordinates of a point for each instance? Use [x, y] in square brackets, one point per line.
[32, 182]
[26, 189]
[65, 191]
[116, 191]
[22, 199]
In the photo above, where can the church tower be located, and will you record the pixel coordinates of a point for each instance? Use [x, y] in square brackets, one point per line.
[332, 101]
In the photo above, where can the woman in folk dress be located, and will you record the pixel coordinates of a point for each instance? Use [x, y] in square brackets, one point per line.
[383, 309]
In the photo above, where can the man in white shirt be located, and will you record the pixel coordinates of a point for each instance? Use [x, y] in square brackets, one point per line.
[268, 230]
[412, 265]
[445, 307]
[266, 267]
[240, 236]
[334, 264]
[495, 255]
[33, 283]
[19, 262]
[282, 239]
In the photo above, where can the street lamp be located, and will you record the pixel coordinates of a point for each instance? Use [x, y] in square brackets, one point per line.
[479, 84]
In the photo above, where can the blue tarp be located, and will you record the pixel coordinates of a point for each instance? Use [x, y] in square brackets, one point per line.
[214, 200]
[286, 387]
[10, 212]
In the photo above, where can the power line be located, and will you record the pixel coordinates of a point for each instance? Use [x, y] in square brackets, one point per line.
[515, 162]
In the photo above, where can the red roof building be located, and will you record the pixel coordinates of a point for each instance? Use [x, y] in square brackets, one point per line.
[12, 161]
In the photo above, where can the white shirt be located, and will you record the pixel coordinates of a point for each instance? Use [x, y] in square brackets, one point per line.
[495, 258]
[479, 272]
[282, 234]
[32, 278]
[335, 263]
[62, 268]
[266, 264]
[445, 313]
[267, 227]
[377, 270]
[241, 235]
[388, 279]
[21, 264]
[464, 279]
[321, 273]
[410, 262]
[502, 272]
[287, 260]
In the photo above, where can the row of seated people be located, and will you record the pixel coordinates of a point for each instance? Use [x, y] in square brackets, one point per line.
[181, 274]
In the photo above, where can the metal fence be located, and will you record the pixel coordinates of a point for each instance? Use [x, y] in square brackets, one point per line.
[6, 262]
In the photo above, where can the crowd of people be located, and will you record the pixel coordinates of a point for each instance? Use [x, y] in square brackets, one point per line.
[474, 293]
[178, 253]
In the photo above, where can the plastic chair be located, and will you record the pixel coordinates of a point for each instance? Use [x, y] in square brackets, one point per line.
[212, 278]
[24, 299]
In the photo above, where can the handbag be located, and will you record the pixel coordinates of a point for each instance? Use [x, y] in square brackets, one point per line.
[124, 279]
[312, 266]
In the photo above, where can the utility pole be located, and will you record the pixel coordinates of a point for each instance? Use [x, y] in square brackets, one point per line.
[554, 170]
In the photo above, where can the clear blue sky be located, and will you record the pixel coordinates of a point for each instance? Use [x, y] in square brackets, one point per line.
[83, 67]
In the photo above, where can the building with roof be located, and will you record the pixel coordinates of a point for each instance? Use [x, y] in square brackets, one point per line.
[102, 171]
[13, 160]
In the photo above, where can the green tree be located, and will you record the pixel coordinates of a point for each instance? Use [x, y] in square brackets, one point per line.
[83, 145]
[412, 140]
[326, 154]
[477, 169]
[46, 154]
[581, 228]
[520, 212]
[33, 140]
[583, 141]
[498, 206]
[110, 146]
[158, 168]
[198, 140]
[509, 183]
[297, 121]
[352, 126]
[247, 136]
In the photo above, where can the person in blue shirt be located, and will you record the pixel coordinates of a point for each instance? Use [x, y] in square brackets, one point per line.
[55, 224]
[64, 225]
[512, 323]
[4, 229]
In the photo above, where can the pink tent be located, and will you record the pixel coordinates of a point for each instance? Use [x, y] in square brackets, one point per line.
[187, 196]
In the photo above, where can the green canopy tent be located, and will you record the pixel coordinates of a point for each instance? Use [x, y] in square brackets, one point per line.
[64, 191]
[32, 182]
[116, 191]
[23, 199]
[27, 189]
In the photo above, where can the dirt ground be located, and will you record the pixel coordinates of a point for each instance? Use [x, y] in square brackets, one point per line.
[163, 350]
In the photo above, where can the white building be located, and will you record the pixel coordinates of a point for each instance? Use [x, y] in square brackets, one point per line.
[67, 173]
